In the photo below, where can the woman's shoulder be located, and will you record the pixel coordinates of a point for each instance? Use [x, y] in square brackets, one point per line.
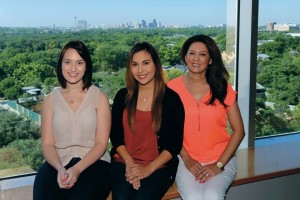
[170, 94]
[54, 92]
[122, 92]
[96, 91]
[52, 96]
[230, 89]
[55, 89]
[170, 91]
[175, 81]
[230, 96]
[120, 95]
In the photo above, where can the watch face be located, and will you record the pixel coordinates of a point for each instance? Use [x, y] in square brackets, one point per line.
[219, 164]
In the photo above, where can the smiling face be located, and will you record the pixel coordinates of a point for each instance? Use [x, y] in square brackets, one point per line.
[197, 58]
[142, 68]
[73, 67]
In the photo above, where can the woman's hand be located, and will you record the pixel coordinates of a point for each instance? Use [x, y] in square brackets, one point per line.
[207, 172]
[73, 174]
[62, 177]
[138, 171]
[132, 179]
[193, 166]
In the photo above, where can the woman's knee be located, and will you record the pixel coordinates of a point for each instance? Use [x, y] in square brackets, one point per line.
[212, 194]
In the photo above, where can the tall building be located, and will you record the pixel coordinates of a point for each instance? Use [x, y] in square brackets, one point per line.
[136, 25]
[285, 27]
[154, 23]
[82, 24]
[270, 26]
[144, 24]
[159, 24]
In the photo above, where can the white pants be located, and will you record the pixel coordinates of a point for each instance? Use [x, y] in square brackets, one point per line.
[214, 189]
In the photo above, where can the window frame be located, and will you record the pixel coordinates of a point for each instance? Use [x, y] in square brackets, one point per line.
[247, 16]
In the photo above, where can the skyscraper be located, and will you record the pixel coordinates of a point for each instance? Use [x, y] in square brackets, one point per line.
[154, 23]
[144, 24]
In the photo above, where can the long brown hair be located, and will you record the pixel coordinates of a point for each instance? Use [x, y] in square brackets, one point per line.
[133, 86]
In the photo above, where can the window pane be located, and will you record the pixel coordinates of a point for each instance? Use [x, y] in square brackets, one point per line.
[30, 44]
[278, 68]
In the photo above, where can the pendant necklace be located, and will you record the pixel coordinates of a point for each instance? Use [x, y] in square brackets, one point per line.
[70, 101]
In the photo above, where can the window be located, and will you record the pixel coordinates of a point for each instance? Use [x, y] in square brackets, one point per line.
[278, 69]
[30, 43]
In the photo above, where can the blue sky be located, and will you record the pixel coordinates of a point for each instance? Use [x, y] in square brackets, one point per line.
[35, 13]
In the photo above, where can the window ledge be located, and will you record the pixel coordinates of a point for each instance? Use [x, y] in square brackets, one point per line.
[254, 164]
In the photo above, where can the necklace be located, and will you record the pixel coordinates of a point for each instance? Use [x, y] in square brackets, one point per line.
[74, 97]
[145, 97]
[69, 99]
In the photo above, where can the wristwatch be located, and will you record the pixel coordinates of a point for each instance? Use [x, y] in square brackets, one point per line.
[220, 166]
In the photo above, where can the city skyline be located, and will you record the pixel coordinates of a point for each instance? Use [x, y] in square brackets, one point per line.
[97, 13]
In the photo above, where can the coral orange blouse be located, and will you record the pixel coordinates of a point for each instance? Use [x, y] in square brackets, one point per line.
[205, 133]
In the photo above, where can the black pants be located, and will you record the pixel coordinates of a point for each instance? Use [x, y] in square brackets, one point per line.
[93, 183]
[152, 188]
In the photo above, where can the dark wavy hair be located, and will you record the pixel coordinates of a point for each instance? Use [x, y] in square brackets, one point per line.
[216, 73]
[132, 87]
[84, 53]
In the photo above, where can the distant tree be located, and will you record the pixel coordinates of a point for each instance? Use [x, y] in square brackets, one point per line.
[13, 92]
[11, 158]
[13, 127]
[5, 84]
[110, 82]
[296, 61]
[274, 49]
[221, 41]
[48, 57]
[14, 62]
[27, 73]
[263, 116]
[31, 151]
[170, 55]
[2, 73]
[295, 122]
[49, 83]
[173, 73]
[108, 57]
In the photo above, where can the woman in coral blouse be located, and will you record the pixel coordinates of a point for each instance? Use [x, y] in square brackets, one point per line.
[207, 163]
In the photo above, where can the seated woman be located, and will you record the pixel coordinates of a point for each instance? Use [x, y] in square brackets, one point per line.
[147, 130]
[76, 123]
[207, 165]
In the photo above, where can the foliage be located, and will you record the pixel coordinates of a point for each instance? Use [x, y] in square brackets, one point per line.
[170, 55]
[10, 88]
[14, 127]
[173, 73]
[264, 115]
[29, 56]
[110, 82]
[271, 120]
[49, 83]
[11, 158]
[295, 122]
[281, 80]
[31, 151]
